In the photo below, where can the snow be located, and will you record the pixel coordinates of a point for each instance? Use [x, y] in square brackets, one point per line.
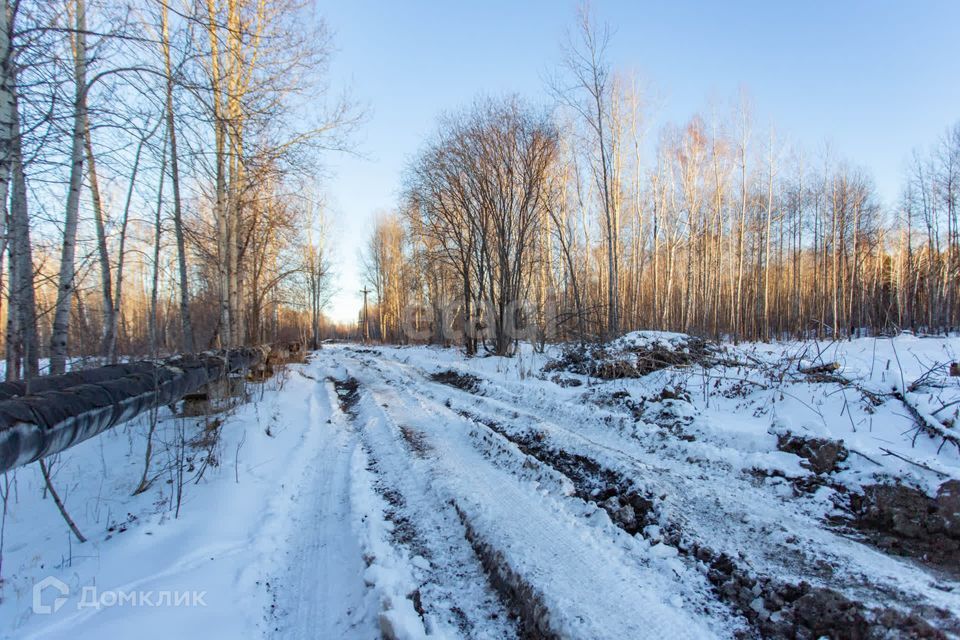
[542, 539]
[227, 543]
[640, 339]
[389, 574]
[417, 512]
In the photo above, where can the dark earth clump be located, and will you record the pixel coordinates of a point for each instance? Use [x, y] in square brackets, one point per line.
[632, 361]
[905, 521]
[364, 350]
[348, 393]
[566, 382]
[462, 381]
[822, 455]
[783, 610]
[671, 413]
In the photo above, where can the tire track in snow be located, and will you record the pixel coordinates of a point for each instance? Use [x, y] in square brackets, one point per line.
[453, 595]
[582, 584]
[322, 593]
[822, 557]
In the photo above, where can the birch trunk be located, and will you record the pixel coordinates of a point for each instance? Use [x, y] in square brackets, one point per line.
[6, 161]
[186, 326]
[23, 252]
[152, 327]
[220, 133]
[109, 336]
[121, 249]
[6, 110]
[61, 318]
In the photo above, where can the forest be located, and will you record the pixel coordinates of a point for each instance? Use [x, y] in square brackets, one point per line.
[159, 177]
[163, 188]
[556, 222]
[162, 194]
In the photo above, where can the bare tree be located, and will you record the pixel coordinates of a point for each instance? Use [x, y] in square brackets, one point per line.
[61, 321]
[587, 90]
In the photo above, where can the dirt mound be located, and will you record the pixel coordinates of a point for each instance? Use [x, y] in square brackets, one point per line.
[905, 521]
[909, 512]
[822, 455]
[462, 381]
[634, 355]
[783, 610]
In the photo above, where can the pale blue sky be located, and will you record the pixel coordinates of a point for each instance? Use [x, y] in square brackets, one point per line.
[875, 80]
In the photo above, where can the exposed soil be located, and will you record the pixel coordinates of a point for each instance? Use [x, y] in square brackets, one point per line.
[523, 601]
[462, 381]
[629, 361]
[348, 393]
[628, 506]
[415, 441]
[775, 608]
[566, 382]
[904, 521]
[821, 455]
[783, 610]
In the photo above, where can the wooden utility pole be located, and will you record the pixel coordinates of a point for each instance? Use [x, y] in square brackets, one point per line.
[366, 325]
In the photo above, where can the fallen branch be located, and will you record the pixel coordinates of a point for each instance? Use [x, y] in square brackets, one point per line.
[820, 368]
[863, 455]
[945, 406]
[875, 398]
[924, 422]
[924, 380]
[60, 505]
[913, 462]
[928, 423]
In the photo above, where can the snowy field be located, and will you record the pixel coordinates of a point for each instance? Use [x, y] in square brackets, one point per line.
[658, 487]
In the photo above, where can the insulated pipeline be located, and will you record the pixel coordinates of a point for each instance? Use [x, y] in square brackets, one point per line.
[48, 414]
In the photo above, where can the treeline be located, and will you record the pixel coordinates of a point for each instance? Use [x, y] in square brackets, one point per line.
[157, 166]
[517, 222]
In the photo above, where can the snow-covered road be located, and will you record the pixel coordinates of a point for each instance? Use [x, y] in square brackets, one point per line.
[562, 566]
[321, 592]
[523, 469]
[410, 493]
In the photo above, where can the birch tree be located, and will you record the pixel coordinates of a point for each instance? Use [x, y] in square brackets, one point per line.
[61, 322]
